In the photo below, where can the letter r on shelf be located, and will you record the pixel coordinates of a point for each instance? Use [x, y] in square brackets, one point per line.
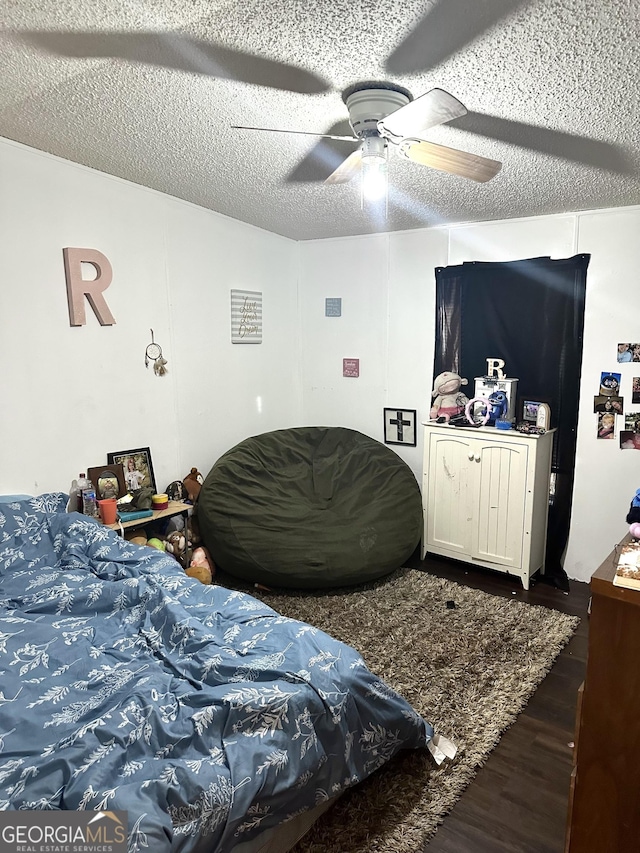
[78, 288]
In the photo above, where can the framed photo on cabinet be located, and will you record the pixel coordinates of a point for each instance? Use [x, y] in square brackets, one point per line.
[532, 411]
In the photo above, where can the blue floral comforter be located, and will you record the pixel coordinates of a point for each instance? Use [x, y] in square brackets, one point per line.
[203, 713]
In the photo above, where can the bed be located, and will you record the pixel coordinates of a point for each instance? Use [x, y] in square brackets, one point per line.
[205, 715]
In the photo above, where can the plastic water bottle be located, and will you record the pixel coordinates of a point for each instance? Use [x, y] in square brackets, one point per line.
[81, 484]
[90, 503]
[87, 502]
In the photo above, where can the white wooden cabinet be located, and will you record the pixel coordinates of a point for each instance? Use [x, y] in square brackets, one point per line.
[485, 494]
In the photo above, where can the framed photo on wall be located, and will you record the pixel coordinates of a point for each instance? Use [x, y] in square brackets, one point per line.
[400, 426]
[136, 466]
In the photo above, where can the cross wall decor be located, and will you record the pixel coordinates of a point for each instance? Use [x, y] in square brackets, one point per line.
[400, 426]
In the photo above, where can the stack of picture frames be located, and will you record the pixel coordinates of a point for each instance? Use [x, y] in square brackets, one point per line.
[613, 420]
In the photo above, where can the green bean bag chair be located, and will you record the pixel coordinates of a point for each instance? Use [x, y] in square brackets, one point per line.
[310, 507]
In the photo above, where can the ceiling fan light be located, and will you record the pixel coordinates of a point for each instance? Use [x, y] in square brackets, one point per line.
[374, 177]
[374, 169]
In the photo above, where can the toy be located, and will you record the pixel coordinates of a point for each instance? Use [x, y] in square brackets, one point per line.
[156, 543]
[137, 537]
[192, 484]
[448, 399]
[202, 567]
[200, 573]
[176, 544]
[499, 406]
[493, 408]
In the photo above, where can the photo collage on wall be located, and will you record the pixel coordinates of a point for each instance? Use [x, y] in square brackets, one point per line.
[613, 422]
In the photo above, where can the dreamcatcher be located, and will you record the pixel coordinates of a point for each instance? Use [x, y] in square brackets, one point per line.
[153, 353]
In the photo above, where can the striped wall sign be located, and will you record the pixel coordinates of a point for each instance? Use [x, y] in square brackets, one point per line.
[246, 317]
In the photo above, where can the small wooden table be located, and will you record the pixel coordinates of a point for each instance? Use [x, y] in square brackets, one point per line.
[174, 508]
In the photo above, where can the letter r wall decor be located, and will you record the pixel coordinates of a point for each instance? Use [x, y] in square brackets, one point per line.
[78, 288]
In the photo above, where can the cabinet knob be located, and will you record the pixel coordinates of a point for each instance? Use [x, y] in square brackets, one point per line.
[477, 457]
[471, 456]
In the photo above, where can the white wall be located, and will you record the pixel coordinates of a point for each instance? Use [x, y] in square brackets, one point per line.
[387, 284]
[72, 394]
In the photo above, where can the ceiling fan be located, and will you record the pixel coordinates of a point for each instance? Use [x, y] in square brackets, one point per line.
[383, 114]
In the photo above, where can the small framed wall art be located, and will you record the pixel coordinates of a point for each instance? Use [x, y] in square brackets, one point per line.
[400, 426]
[333, 306]
[246, 317]
[351, 367]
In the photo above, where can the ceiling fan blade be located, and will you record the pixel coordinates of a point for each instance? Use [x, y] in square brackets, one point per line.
[445, 30]
[449, 160]
[299, 132]
[432, 108]
[324, 156]
[347, 169]
[180, 53]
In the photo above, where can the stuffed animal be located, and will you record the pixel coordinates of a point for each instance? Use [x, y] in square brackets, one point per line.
[176, 544]
[200, 573]
[202, 567]
[192, 484]
[448, 399]
[499, 406]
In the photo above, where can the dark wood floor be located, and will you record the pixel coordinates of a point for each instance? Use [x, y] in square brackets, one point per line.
[517, 802]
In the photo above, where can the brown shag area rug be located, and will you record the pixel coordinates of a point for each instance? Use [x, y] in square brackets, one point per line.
[469, 669]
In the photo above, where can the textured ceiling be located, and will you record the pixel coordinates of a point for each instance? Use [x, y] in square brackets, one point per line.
[149, 91]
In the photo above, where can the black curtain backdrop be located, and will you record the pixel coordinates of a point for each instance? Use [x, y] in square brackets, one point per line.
[529, 313]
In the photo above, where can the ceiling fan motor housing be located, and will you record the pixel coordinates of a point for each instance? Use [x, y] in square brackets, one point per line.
[367, 106]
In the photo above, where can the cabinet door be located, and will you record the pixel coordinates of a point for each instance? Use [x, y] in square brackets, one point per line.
[450, 515]
[501, 493]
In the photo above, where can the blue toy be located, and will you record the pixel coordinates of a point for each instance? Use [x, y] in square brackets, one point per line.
[499, 406]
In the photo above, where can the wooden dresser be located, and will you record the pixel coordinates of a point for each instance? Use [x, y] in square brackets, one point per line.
[604, 802]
